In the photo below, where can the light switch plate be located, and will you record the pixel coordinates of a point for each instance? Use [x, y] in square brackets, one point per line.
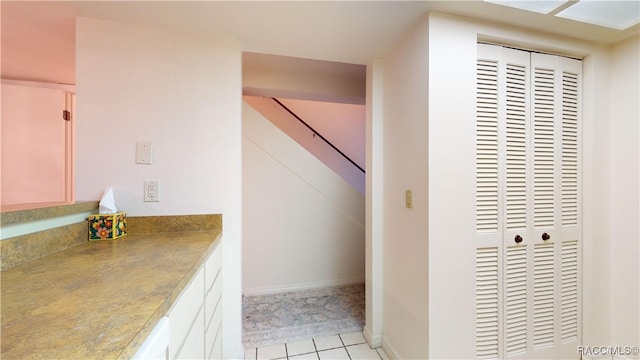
[408, 198]
[144, 153]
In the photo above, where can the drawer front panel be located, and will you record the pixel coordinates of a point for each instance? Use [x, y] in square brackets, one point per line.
[185, 310]
[212, 267]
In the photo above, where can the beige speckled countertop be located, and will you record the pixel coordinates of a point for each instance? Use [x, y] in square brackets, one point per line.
[99, 299]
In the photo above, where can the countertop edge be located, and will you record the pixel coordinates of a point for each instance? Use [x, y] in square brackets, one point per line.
[45, 212]
[130, 350]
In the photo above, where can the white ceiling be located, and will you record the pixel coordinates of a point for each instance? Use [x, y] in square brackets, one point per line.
[38, 37]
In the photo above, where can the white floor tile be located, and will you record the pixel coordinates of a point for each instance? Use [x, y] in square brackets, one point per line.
[382, 354]
[250, 354]
[362, 352]
[353, 338]
[328, 342]
[309, 356]
[300, 347]
[334, 354]
[272, 352]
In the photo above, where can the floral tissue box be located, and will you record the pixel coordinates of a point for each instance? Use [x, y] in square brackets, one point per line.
[107, 226]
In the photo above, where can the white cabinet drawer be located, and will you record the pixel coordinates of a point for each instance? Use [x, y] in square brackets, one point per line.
[215, 351]
[195, 316]
[213, 301]
[213, 327]
[193, 347]
[183, 313]
[212, 267]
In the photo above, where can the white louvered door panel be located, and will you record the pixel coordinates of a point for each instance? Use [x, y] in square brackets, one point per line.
[544, 149]
[556, 172]
[516, 174]
[516, 132]
[544, 317]
[487, 302]
[489, 333]
[527, 188]
[570, 248]
[545, 113]
[569, 307]
[515, 302]
[487, 147]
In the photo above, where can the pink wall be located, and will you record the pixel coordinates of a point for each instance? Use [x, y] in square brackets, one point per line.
[303, 136]
[33, 145]
[342, 124]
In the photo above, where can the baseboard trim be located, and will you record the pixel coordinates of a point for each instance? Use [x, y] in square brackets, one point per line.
[389, 349]
[374, 341]
[304, 286]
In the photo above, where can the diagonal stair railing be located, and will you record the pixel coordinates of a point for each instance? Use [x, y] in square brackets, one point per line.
[315, 133]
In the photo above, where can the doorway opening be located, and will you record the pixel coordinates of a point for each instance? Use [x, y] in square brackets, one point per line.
[303, 199]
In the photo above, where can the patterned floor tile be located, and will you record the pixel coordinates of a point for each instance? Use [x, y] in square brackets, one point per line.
[301, 347]
[362, 352]
[328, 342]
[272, 352]
[291, 316]
[353, 338]
[334, 354]
[310, 356]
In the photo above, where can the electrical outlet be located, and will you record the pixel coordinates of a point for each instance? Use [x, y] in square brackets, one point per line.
[151, 191]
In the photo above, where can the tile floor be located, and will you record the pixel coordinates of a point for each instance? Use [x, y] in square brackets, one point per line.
[351, 346]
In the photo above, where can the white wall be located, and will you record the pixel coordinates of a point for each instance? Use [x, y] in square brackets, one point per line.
[452, 247]
[456, 40]
[303, 225]
[595, 198]
[181, 92]
[374, 206]
[405, 158]
[447, 50]
[625, 189]
[294, 78]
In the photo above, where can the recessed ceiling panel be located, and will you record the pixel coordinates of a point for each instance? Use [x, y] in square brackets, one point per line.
[542, 7]
[613, 14]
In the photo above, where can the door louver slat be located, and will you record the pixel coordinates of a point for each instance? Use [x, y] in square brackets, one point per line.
[569, 149]
[543, 141]
[569, 291]
[543, 295]
[516, 300]
[487, 303]
[516, 147]
[487, 147]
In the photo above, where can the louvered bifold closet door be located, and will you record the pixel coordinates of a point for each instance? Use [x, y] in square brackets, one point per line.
[527, 204]
[516, 159]
[556, 284]
[562, 230]
[546, 151]
[488, 206]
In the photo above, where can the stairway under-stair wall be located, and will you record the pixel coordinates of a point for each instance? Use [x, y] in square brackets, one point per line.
[303, 223]
[333, 132]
